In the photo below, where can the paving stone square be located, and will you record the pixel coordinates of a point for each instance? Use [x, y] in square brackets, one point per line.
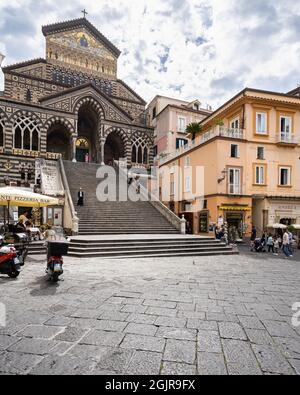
[204, 316]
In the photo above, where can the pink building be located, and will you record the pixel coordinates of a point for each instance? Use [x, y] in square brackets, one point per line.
[170, 117]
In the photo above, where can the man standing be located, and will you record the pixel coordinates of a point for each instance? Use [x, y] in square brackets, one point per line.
[286, 245]
[253, 237]
[80, 198]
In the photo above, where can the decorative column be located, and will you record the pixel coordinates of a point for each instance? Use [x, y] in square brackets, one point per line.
[8, 137]
[102, 151]
[74, 140]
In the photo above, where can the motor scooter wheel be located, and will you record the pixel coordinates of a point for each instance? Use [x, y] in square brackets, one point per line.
[13, 274]
[55, 277]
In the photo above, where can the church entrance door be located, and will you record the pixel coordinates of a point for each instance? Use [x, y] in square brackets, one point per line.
[114, 149]
[87, 130]
[82, 150]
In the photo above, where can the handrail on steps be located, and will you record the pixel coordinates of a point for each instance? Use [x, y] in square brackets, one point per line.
[178, 223]
[75, 219]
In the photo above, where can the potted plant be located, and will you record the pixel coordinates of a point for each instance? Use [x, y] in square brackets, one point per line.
[194, 129]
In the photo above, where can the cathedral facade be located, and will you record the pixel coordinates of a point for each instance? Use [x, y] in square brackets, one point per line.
[71, 104]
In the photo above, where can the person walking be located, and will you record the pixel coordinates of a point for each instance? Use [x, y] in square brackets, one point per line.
[276, 247]
[291, 238]
[270, 244]
[286, 245]
[253, 238]
[80, 198]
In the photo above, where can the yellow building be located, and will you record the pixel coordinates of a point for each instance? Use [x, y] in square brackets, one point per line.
[250, 151]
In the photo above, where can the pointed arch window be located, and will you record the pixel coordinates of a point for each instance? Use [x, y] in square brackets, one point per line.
[35, 141]
[26, 134]
[145, 158]
[140, 155]
[140, 150]
[18, 138]
[134, 157]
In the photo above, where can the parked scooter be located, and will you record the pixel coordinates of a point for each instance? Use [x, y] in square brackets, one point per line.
[55, 252]
[9, 262]
[12, 258]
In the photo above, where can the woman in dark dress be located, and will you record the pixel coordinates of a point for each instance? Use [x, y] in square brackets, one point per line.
[80, 198]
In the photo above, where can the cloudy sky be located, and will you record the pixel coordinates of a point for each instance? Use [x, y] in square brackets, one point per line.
[206, 49]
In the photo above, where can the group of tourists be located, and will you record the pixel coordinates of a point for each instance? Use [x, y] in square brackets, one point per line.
[283, 241]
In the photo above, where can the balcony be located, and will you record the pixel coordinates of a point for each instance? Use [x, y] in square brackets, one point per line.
[232, 133]
[235, 189]
[216, 131]
[287, 139]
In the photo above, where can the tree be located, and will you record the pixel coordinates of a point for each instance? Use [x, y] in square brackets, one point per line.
[193, 129]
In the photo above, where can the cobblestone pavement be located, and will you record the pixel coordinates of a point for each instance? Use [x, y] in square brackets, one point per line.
[216, 315]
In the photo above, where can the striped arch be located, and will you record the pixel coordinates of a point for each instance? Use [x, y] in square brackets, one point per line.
[117, 130]
[123, 135]
[3, 116]
[3, 120]
[62, 121]
[93, 103]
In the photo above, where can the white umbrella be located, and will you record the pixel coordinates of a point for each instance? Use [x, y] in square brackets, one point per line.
[24, 198]
[10, 196]
[297, 227]
[277, 226]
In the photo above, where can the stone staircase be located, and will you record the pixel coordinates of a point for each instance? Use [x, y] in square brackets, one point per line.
[127, 229]
[150, 247]
[111, 218]
[37, 248]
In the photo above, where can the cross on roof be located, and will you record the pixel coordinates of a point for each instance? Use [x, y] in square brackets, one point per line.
[85, 13]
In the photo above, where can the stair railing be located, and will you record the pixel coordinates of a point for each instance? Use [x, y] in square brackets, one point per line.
[178, 223]
[68, 199]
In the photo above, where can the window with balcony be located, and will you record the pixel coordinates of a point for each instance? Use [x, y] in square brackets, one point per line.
[260, 153]
[181, 124]
[285, 176]
[260, 175]
[261, 123]
[234, 187]
[235, 123]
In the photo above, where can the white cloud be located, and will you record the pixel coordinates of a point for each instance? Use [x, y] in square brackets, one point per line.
[206, 49]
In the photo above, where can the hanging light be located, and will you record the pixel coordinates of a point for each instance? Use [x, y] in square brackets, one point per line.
[2, 57]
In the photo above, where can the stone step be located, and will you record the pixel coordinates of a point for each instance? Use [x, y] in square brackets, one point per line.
[157, 254]
[145, 232]
[143, 248]
[148, 241]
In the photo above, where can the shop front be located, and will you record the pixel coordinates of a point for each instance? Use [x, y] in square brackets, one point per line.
[271, 211]
[238, 219]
